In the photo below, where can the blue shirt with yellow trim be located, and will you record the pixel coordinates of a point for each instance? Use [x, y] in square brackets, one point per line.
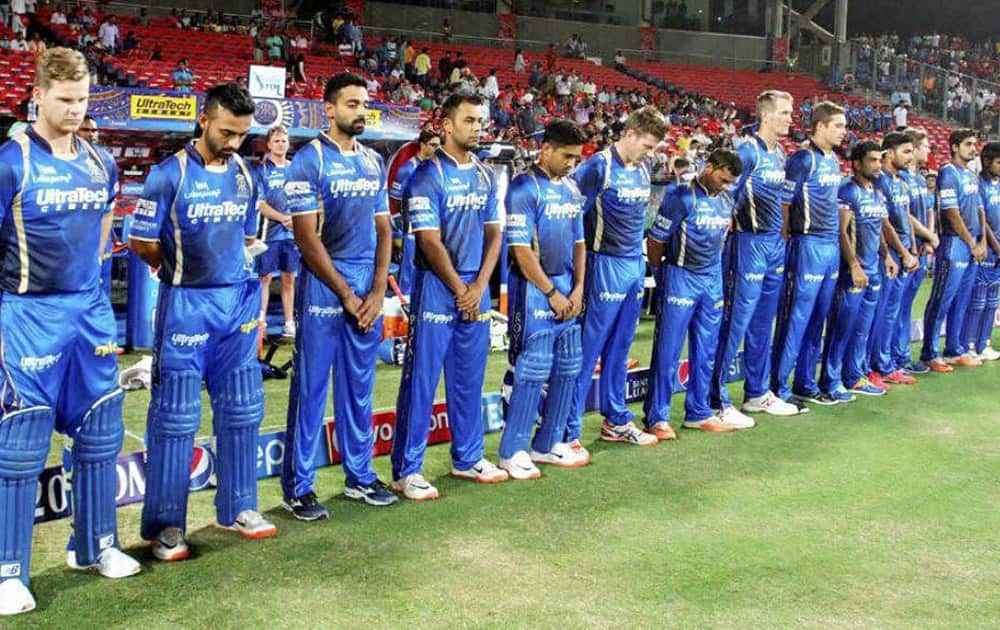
[614, 216]
[958, 187]
[51, 211]
[546, 215]
[812, 181]
[459, 200]
[200, 215]
[346, 189]
[867, 206]
[693, 224]
[897, 199]
[989, 193]
[271, 187]
[758, 191]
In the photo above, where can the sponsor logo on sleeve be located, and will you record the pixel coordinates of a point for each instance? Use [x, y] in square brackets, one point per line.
[145, 208]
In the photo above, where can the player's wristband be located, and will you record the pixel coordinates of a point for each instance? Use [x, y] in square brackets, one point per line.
[551, 292]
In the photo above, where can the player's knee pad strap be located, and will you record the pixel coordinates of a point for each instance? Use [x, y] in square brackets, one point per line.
[569, 353]
[96, 445]
[535, 360]
[239, 408]
[24, 445]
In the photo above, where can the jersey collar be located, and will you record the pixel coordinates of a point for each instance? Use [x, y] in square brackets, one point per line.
[193, 154]
[328, 141]
[697, 183]
[44, 144]
[448, 156]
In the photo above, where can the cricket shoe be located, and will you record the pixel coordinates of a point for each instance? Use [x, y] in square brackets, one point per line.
[965, 360]
[627, 433]
[732, 416]
[375, 493]
[865, 388]
[520, 467]
[770, 404]
[663, 431]
[580, 450]
[989, 354]
[288, 332]
[112, 563]
[562, 455]
[916, 367]
[169, 545]
[415, 488]
[483, 471]
[938, 366]
[15, 598]
[875, 378]
[306, 507]
[816, 398]
[898, 377]
[250, 524]
[711, 425]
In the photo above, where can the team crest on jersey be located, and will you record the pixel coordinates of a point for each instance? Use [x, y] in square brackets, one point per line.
[97, 174]
[242, 186]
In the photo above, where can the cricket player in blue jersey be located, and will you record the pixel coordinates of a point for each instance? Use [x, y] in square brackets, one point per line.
[963, 247]
[922, 218]
[194, 219]
[979, 322]
[548, 262]
[899, 235]
[615, 183]
[336, 194]
[57, 330]
[863, 216]
[430, 142]
[687, 237]
[281, 256]
[812, 222]
[753, 263]
[451, 207]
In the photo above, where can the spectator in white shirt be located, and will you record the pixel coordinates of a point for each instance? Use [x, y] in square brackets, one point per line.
[57, 17]
[108, 34]
[899, 114]
[17, 10]
[619, 58]
[18, 44]
[491, 89]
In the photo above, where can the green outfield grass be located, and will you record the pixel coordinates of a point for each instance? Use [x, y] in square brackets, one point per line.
[881, 513]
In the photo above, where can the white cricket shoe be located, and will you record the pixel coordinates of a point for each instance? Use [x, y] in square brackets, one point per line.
[580, 450]
[483, 471]
[989, 354]
[288, 332]
[770, 404]
[169, 545]
[562, 455]
[250, 524]
[415, 488]
[112, 563]
[15, 598]
[732, 416]
[520, 467]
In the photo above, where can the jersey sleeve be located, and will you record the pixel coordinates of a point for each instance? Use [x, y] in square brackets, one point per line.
[302, 183]
[251, 223]
[521, 206]
[153, 204]
[747, 153]
[491, 214]
[846, 198]
[948, 186]
[796, 174]
[588, 179]
[423, 201]
[9, 182]
[578, 236]
[382, 198]
[672, 211]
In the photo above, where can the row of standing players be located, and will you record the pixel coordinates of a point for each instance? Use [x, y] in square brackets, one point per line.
[574, 240]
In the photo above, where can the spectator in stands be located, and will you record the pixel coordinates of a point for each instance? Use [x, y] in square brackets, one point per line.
[274, 46]
[900, 114]
[109, 35]
[18, 11]
[575, 47]
[445, 30]
[445, 64]
[130, 42]
[619, 59]
[301, 42]
[57, 17]
[183, 77]
[519, 61]
[491, 88]
[550, 59]
[421, 66]
[18, 44]
[353, 34]
[37, 45]
[299, 69]
[259, 44]
[143, 18]
[4, 13]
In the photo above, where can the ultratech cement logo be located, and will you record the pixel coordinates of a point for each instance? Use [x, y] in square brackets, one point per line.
[37, 364]
[188, 341]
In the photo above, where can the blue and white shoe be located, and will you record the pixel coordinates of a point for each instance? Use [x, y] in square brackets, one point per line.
[375, 493]
[864, 388]
[816, 398]
[841, 396]
[917, 367]
[306, 508]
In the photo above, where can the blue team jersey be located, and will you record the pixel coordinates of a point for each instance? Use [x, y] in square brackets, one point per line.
[456, 199]
[957, 188]
[403, 174]
[867, 206]
[989, 193]
[346, 190]
[897, 200]
[50, 215]
[693, 224]
[617, 195]
[812, 182]
[547, 216]
[758, 191]
[200, 215]
[271, 188]
[919, 194]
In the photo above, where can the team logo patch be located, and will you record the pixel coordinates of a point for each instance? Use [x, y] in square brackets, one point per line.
[106, 349]
[516, 220]
[296, 188]
[97, 174]
[242, 186]
[145, 208]
[418, 203]
[250, 326]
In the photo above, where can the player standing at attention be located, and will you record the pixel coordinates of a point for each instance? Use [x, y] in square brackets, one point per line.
[57, 330]
[282, 255]
[615, 183]
[336, 194]
[548, 261]
[898, 233]
[812, 223]
[429, 142]
[862, 218]
[963, 246]
[194, 219]
[753, 264]
[922, 218]
[687, 236]
[451, 207]
[979, 323]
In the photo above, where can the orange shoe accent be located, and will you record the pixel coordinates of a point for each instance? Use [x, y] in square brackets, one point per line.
[631, 363]
[664, 432]
[939, 366]
[967, 361]
[177, 557]
[267, 533]
[712, 426]
[898, 378]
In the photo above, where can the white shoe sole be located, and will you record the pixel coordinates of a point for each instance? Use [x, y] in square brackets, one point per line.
[479, 478]
[116, 575]
[518, 474]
